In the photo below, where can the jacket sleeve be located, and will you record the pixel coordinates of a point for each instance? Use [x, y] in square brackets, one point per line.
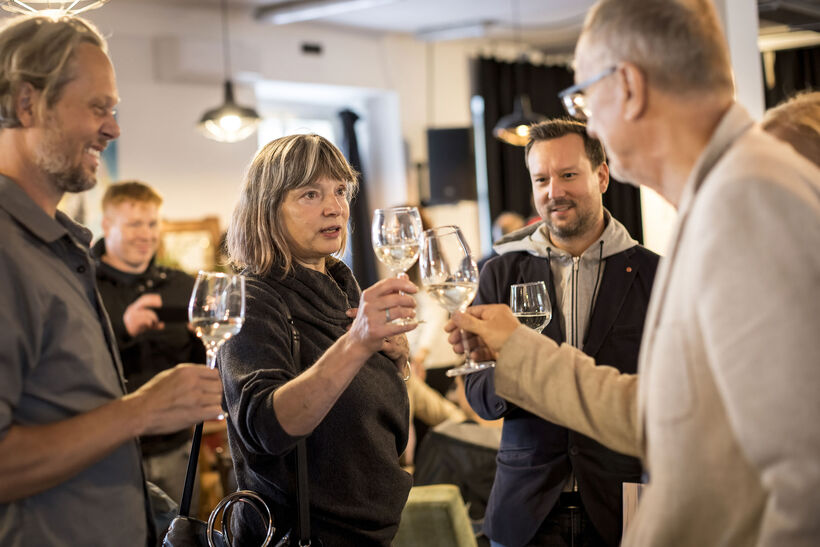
[254, 363]
[480, 386]
[563, 385]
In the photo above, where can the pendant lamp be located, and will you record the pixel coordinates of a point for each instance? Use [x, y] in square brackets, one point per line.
[514, 128]
[51, 8]
[229, 122]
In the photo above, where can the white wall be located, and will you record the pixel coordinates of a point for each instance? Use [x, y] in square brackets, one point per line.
[169, 69]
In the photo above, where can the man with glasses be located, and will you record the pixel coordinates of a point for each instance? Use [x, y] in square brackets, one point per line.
[724, 409]
[552, 484]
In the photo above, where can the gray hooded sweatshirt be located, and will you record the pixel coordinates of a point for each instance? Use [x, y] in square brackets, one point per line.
[576, 278]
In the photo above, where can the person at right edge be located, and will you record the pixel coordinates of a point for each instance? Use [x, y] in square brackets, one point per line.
[553, 485]
[724, 409]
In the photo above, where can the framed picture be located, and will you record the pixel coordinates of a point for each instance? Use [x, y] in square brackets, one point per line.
[191, 245]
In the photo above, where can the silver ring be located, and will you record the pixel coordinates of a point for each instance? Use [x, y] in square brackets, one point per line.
[387, 314]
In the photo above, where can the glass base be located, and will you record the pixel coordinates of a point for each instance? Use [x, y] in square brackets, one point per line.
[469, 367]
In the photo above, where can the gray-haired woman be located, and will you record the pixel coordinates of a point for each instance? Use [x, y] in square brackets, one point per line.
[346, 394]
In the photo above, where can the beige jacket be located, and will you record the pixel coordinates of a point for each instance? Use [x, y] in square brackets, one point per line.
[725, 408]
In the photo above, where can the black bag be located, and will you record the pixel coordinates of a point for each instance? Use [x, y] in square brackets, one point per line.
[191, 532]
[186, 531]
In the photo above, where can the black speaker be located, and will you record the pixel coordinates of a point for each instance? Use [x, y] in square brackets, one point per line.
[452, 165]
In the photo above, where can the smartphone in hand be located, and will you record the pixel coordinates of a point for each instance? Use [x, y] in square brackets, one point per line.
[172, 314]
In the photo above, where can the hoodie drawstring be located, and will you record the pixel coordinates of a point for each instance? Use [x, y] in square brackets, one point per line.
[595, 288]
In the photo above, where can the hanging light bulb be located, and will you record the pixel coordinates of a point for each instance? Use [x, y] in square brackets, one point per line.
[514, 128]
[51, 8]
[229, 122]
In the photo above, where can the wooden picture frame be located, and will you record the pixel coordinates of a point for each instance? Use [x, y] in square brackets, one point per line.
[191, 245]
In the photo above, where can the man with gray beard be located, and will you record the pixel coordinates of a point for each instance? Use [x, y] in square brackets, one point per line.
[70, 471]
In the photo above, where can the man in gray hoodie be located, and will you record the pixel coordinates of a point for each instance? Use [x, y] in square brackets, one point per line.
[552, 484]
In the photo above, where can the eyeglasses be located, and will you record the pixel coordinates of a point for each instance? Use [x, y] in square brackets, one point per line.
[575, 101]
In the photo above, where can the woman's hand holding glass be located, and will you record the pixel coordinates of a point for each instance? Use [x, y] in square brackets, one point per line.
[373, 321]
[395, 234]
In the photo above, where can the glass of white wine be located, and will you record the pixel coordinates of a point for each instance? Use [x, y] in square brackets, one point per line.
[216, 309]
[396, 232]
[450, 276]
[530, 303]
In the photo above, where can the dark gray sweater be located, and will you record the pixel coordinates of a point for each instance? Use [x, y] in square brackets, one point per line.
[357, 489]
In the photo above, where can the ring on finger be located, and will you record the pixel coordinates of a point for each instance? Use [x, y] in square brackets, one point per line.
[387, 315]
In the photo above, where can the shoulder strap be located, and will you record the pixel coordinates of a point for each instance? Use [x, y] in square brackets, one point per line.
[302, 495]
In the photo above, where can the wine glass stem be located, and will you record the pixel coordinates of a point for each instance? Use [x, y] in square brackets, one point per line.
[210, 353]
[467, 359]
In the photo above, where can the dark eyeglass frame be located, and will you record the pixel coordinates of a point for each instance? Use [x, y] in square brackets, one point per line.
[571, 95]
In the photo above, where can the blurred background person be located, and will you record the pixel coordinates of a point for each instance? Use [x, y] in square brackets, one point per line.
[346, 395]
[135, 292]
[797, 121]
[505, 223]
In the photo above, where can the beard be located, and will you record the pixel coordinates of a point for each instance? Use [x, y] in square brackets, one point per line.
[584, 220]
[53, 159]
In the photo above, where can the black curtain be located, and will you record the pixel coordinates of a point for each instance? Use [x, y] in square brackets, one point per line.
[364, 262]
[794, 70]
[507, 177]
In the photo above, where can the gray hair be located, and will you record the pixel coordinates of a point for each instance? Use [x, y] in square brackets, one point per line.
[37, 50]
[257, 237]
[797, 121]
[679, 44]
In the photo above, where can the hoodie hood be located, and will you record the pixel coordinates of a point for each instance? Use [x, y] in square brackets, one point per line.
[575, 279]
[534, 239]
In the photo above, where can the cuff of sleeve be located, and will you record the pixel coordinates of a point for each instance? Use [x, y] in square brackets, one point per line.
[515, 363]
[270, 435]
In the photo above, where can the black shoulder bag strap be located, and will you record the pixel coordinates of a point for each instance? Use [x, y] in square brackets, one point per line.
[302, 494]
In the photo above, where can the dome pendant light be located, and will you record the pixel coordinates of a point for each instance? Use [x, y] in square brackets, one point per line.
[514, 128]
[229, 122]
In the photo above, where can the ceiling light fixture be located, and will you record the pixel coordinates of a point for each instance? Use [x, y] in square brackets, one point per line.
[229, 122]
[51, 8]
[514, 128]
[295, 11]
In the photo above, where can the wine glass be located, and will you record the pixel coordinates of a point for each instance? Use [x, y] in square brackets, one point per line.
[395, 235]
[450, 276]
[530, 303]
[216, 309]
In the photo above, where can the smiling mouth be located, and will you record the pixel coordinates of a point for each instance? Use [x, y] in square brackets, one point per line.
[560, 208]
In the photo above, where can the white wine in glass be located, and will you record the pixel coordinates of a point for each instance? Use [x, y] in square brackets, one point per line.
[216, 309]
[450, 276]
[395, 234]
[530, 303]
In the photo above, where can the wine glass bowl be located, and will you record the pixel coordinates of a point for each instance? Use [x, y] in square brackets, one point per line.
[530, 303]
[216, 309]
[395, 233]
[450, 276]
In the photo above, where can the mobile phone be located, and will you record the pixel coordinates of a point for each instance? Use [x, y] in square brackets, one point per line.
[172, 314]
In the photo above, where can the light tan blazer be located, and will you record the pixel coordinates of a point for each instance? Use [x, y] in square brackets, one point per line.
[725, 409]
